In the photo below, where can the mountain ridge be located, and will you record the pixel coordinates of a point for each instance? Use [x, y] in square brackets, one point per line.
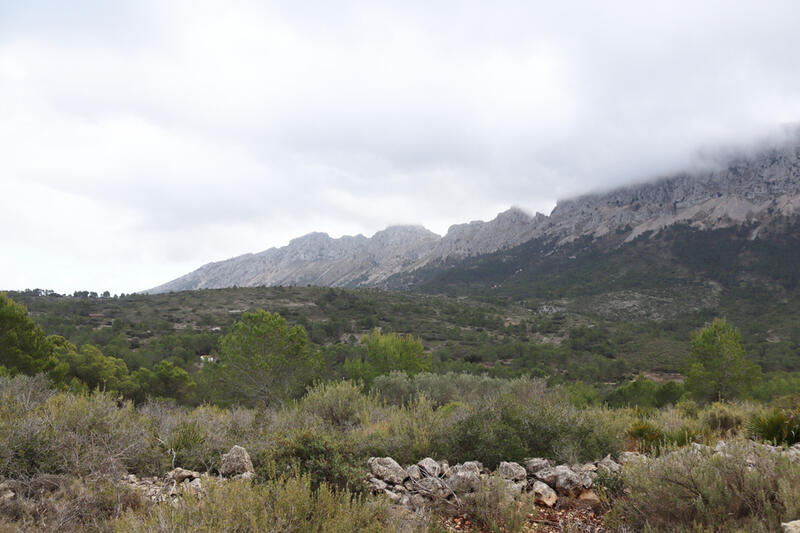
[751, 190]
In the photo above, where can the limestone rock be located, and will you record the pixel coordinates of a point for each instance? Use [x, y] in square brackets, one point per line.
[433, 487]
[629, 457]
[589, 496]
[429, 467]
[512, 471]
[464, 477]
[236, 461]
[248, 476]
[376, 485]
[515, 488]
[791, 527]
[387, 469]
[543, 494]
[608, 464]
[193, 486]
[414, 472]
[563, 479]
[744, 190]
[416, 501]
[393, 496]
[532, 466]
[178, 475]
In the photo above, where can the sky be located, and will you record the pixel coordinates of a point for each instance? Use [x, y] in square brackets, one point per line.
[140, 140]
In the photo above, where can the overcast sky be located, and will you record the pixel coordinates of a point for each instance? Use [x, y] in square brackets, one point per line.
[142, 139]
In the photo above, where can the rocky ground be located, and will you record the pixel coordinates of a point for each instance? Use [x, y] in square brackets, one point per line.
[565, 496]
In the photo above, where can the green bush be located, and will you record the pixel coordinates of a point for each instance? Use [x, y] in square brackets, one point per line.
[522, 424]
[331, 459]
[86, 435]
[341, 404]
[188, 443]
[197, 438]
[397, 388]
[779, 426]
[646, 435]
[747, 489]
[492, 508]
[408, 433]
[723, 418]
[665, 428]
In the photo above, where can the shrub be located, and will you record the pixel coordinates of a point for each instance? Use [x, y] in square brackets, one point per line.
[397, 388]
[408, 433]
[519, 425]
[324, 458]
[647, 436]
[748, 488]
[47, 503]
[277, 505]
[197, 438]
[88, 435]
[722, 417]
[27, 391]
[341, 404]
[779, 426]
[493, 508]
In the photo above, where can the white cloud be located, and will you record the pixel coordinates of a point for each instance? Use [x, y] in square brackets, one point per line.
[140, 141]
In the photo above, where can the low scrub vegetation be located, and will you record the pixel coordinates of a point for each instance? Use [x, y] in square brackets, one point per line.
[286, 504]
[747, 488]
[74, 422]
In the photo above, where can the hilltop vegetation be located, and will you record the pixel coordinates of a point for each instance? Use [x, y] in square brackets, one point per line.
[607, 333]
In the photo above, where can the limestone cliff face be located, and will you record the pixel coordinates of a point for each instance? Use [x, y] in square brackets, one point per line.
[508, 229]
[316, 259]
[751, 189]
[745, 190]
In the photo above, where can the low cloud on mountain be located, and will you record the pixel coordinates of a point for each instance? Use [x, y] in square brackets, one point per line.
[140, 141]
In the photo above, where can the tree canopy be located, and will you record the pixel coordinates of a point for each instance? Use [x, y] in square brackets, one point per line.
[717, 368]
[263, 361]
[386, 352]
[23, 345]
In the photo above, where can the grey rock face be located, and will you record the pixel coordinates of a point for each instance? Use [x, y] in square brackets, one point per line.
[465, 477]
[608, 464]
[433, 487]
[414, 472]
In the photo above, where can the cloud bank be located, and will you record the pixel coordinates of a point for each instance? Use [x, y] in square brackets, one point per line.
[141, 141]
